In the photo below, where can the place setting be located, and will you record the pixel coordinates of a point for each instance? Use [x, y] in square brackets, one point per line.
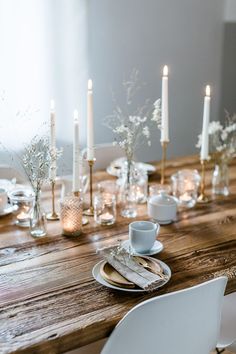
[128, 265]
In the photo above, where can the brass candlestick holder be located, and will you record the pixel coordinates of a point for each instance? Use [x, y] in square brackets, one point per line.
[53, 215]
[90, 210]
[202, 197]
[163, 161]
[84, 219]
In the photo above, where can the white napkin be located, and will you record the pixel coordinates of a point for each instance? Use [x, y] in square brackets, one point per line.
[126, 265]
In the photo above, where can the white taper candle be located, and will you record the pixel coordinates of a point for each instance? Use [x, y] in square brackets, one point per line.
[165, 107]
[53, 167]
[76, 154]
[90, 132]
[206, 117]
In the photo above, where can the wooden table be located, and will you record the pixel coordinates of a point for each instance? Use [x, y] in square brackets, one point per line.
[50, 302]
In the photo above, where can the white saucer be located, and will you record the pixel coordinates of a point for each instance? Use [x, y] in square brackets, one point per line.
[7, 210]
[97, 276]
[157, 247]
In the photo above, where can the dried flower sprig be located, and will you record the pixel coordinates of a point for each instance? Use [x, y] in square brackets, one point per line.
[222, 139]
[36, 160]
[130, 126]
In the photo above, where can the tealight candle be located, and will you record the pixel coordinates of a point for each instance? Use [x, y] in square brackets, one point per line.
[185, 185]
[105, 208]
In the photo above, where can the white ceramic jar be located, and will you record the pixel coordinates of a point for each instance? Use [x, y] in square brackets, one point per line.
[162, 208]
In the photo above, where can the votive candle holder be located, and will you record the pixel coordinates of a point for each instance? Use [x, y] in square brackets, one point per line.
[71, 215]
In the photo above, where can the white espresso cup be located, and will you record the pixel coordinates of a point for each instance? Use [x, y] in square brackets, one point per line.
[142, 235]
[3, 199]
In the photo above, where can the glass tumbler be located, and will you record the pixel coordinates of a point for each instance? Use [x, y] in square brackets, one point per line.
[105, 208]
[185, 184]
[22, 201]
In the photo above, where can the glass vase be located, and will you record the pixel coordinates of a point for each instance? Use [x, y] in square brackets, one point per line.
[127, 191]
[220, 179]
[38, 222]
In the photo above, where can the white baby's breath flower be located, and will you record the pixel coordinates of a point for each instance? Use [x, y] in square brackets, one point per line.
[199, 143]
[224, 135]
[214, 127]
[146, 131]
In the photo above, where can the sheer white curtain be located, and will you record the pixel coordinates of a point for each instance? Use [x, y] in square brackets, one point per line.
[43, 46]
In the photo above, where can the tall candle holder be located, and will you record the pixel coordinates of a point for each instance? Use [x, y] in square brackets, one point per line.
[90, 210]
[163, 161]
[202, 197]
[53, 215]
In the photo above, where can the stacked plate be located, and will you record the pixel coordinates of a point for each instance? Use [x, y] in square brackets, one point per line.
[106, 275]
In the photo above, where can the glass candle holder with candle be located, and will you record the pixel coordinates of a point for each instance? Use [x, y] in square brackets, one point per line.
[105, 208]
[185, 184]
[22, 201]
[71, 215]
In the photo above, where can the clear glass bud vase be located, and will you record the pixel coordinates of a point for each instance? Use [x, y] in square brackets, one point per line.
[220, 179]
[38, 222]
[127, 191]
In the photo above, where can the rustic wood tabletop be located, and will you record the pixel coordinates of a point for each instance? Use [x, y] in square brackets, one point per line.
[49, 301]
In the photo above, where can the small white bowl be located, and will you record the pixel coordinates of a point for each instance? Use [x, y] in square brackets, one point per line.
[162, 208]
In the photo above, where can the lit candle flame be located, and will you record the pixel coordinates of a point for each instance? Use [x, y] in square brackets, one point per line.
[76, 115]
[52, 105]
[208, 90]
[165, 70]
[90, 85]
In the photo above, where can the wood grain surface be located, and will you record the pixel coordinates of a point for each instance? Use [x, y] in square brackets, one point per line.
[49, 301]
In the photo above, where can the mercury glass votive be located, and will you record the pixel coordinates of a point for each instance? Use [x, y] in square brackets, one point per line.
[185, 184]
[22, 201]
[71, 215]
[105, 208]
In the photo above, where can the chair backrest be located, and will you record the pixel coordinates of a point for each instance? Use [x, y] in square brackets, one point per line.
[227, 336]
[181, 322]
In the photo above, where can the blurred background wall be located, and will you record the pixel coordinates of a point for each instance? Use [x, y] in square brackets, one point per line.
[50, 48]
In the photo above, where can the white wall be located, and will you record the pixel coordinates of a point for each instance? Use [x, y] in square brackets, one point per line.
[185, 34]
[47, 47]
[230, 11]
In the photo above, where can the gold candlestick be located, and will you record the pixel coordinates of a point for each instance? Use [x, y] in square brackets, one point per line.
[202, 197]
[84, 219]
[53, 215]
[163, 161]
[90, 210]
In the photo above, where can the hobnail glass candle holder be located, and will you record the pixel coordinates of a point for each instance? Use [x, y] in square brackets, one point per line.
[71, 215]
[22, 201]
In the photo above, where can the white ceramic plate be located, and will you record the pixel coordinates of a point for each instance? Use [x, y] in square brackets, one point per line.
[97, 276]
[114, 168]
[157, 247]
[8, 210]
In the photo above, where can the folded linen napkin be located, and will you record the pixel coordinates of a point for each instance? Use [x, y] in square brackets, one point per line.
[126, 265]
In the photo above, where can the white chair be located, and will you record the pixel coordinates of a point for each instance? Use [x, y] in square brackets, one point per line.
[183, 322]
[227, 337]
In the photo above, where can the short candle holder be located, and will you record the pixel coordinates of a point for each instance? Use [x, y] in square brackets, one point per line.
[71, 214]
[90, 210]
[203, 199]
[163, 161]
[53, 215]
